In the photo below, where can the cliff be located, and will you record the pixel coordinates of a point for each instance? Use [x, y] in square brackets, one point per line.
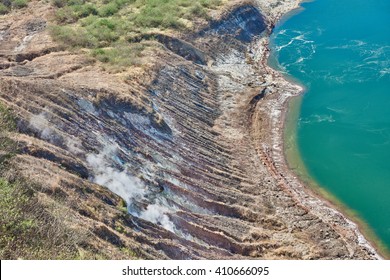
[179, 159]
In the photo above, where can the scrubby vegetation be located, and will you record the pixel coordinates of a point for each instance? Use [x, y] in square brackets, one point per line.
[110, 28]
[7, 124]
[7, 5]
[29, 229]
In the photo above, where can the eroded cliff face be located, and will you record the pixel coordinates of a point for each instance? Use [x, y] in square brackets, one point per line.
[187, 143]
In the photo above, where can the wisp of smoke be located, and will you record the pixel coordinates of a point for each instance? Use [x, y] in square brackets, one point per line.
[40, 124]
[128, 187]
[119, 182]
[156, 213]
[74, 145]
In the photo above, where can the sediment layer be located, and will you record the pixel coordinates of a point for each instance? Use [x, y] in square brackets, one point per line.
[193, 144]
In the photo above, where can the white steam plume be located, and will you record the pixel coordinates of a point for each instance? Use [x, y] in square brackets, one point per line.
[119, 182]
[40, 124]
[128, 187]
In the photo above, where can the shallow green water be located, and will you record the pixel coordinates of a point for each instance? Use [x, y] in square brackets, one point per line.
[340, 51]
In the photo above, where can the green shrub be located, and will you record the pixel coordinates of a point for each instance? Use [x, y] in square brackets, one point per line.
[172, 22]
[75, 2]
[121, 56]
[7, 5]
[197, 10]
[105, 23]
[66, 15]
[185, 3]
[3, 9]
[109, 9]
[85, 10]
[122, 3]
[71, 14]
[104, 31]
[154, 16]
[59, 3]
[19, 4]
[210, 3]
[73, 36]
[7, 121]
[149, 17]
[88, 20]
[7, 146]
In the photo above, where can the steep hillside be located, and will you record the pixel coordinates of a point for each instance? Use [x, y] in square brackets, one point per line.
[173, 154]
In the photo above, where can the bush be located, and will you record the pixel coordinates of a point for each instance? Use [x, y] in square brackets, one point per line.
[185, 3]
[109, 9]
[7, 5]
[66, 15]
[120, 56]
[154, 16]
[172, 22]
[85, 10]
[75, 2]
[71, 14]
[63, 3]
[197, 10]
[104, 31]
[121, 3]
[73, 37]
[210, 3]
[19, 4]
[3, 9]
[149, 17]
[7, 121]
[60, 3]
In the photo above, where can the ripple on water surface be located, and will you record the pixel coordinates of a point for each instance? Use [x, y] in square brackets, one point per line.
[340, 51]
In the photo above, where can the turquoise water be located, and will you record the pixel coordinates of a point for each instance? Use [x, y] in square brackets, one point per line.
[340, 51]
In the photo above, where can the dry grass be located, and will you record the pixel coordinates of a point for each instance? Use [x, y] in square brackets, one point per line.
[29, 229]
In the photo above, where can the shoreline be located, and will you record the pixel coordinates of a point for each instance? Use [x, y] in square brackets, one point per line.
[292, 156]
[316, 200]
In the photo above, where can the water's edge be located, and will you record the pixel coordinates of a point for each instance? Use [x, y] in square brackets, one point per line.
[295, 164]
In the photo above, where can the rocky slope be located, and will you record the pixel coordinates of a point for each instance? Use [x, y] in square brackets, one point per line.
[191, 143]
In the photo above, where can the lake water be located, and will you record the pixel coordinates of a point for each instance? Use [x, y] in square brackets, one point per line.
[340, 51]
